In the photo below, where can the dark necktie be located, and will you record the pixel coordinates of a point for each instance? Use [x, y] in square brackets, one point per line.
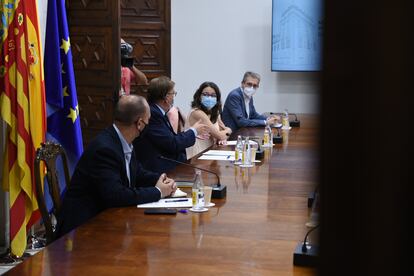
[168, 122]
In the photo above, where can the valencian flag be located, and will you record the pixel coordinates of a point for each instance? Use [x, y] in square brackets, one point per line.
[63, 112]
[22, 107]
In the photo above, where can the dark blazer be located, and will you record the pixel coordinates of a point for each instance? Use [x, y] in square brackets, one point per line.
[100, 181]
[234, 113]
[160, 139]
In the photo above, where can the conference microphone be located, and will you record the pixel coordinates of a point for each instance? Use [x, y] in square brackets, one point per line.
[259, 151]
[296, 122]
[219, 191]
[306, 254]
[278, 139]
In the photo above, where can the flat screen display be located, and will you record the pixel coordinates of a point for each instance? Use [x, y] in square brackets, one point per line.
[297, 35]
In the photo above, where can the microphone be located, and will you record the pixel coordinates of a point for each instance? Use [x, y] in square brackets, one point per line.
[278, 139]
[296, 122]
[305, 256]
[259, 151]
[219, 191]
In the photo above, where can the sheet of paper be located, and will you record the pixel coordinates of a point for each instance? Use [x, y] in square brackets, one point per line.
[168, 203]
[179, 193]
[217, 157]
[233, 142]
[277, 125]
[219, 152]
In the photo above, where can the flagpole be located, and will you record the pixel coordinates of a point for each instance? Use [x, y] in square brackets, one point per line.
[4, 197]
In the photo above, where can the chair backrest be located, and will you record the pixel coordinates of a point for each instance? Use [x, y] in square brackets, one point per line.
[48, 153]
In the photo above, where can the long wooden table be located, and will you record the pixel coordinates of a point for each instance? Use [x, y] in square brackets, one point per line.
[253, 231]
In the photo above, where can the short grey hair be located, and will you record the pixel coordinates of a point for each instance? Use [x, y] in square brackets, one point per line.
[252, 75]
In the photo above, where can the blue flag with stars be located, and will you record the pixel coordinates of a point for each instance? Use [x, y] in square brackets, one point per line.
[63, 122]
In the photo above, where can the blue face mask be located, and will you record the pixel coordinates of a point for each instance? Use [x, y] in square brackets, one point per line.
[208, 102]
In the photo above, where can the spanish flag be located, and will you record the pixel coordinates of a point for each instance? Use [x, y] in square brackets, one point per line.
[22, 107]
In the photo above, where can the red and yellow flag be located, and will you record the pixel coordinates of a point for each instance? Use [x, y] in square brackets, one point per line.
[22, 107]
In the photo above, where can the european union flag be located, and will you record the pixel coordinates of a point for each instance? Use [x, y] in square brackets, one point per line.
[63, 122]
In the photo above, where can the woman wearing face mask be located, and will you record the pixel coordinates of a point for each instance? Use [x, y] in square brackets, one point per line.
[206, 107]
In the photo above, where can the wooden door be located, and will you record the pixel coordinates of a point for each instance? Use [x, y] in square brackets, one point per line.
[94, 34]
[146, 25]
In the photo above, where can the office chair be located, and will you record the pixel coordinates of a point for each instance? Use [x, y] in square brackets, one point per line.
[48, 153]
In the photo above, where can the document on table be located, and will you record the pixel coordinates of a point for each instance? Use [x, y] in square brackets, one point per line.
[277, 125]
[219, 152]
[168, 203]
[233, 142]
[221, 155]
[217, 157]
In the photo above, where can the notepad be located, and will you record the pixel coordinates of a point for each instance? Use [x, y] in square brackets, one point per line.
[169, 203]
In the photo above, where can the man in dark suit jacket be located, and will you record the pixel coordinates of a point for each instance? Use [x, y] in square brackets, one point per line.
[239, 110]
[102, 178]
[160, 139]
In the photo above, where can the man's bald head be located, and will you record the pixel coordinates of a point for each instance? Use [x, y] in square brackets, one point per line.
[129, 109]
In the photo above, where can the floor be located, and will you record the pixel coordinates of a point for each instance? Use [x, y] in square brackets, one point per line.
[6, 266]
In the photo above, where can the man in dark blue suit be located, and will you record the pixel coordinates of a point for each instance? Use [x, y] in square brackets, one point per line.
[160, 138]
[239, 110]
[107, 174]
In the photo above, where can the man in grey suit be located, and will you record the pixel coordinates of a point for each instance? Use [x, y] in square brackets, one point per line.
[239, 110]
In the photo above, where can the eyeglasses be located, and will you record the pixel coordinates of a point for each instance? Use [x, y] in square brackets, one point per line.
[208, 95]
[173, 93]
[250, 84]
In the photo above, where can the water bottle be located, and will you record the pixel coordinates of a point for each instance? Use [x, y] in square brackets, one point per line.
[238, 151]
[269, 130]
[285, 120]
[198, 192]
[246, 155]
[268, 137]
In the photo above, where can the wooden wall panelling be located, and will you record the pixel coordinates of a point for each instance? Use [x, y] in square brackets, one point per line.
[146, 24]
[94, 27]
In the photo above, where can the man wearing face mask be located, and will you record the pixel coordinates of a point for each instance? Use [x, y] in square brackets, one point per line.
[160, 138]
[239, 110]
[107, 174]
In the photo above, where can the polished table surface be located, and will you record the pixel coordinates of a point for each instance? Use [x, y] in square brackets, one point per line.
[253, 231]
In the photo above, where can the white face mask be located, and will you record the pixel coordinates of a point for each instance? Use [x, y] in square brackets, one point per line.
[249, 91]
[170, 103]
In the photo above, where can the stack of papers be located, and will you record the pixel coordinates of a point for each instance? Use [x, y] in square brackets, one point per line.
[222, 155]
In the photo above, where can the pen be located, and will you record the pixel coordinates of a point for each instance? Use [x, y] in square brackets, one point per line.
[176, 200]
